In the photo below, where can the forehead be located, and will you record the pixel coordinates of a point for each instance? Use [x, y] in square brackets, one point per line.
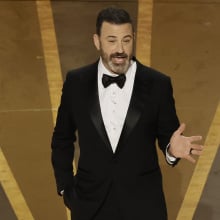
[117, 30]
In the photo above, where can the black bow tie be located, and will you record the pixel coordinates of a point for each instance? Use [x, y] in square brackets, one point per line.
[119, 80]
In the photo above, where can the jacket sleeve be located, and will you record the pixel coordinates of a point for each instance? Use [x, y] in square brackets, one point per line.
[167, 118]
[62, 144]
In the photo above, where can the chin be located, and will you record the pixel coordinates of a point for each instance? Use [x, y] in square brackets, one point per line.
[118, 68]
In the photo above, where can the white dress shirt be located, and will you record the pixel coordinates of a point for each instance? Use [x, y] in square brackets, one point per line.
[114, 102]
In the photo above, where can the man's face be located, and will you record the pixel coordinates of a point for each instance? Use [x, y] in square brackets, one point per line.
[115, 44]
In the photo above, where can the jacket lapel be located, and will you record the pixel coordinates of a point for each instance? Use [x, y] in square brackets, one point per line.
[139, 98]
[94, 107]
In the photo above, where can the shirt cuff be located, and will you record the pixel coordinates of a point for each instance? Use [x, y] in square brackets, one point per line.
[61, 192]
[170, 159]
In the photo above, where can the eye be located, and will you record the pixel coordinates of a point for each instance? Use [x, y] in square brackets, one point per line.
[112, 41]
[127, 40]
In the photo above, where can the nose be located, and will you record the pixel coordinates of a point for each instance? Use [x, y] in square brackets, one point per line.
[120, 47]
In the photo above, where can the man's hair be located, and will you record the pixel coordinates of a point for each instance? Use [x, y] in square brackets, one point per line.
[112, 15]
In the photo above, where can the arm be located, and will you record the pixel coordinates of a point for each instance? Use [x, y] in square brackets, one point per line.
[167, 119]
[170, 132]
[63, 142]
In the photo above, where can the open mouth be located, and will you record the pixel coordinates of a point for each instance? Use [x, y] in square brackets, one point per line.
[119, 59]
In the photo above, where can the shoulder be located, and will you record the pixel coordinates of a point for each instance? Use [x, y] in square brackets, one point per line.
[82, 72]
[147, 73]
[150, 72]
[80, 77]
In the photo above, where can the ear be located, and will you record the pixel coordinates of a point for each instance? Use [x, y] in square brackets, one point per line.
[96, 41]
[134, 34]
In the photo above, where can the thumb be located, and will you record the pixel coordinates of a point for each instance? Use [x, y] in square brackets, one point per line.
[181, 129]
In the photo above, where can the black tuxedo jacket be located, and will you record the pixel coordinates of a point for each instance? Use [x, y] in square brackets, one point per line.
[133, 169]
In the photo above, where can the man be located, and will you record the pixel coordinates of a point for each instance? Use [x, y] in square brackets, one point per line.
[119, 108]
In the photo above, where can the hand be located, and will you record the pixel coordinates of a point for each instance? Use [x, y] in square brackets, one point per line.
[183, 147]
[69, 196]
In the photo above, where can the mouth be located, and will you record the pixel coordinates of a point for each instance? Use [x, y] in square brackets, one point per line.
[119, 59]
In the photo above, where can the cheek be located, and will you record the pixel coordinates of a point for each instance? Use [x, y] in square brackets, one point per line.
[109, 48]
[107, 51]
[129, 49]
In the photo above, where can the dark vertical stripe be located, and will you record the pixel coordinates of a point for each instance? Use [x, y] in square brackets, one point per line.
[209, 204]
[6, 211]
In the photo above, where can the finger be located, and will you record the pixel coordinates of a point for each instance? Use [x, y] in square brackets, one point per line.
[190, 158]
[195, 138]
[181, 129]
[196, 152]
[197, 147]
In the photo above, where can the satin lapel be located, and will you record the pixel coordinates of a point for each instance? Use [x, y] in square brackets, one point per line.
[95, 110]
[139, 98]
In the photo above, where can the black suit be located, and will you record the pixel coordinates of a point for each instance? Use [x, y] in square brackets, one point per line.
[129, 179]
